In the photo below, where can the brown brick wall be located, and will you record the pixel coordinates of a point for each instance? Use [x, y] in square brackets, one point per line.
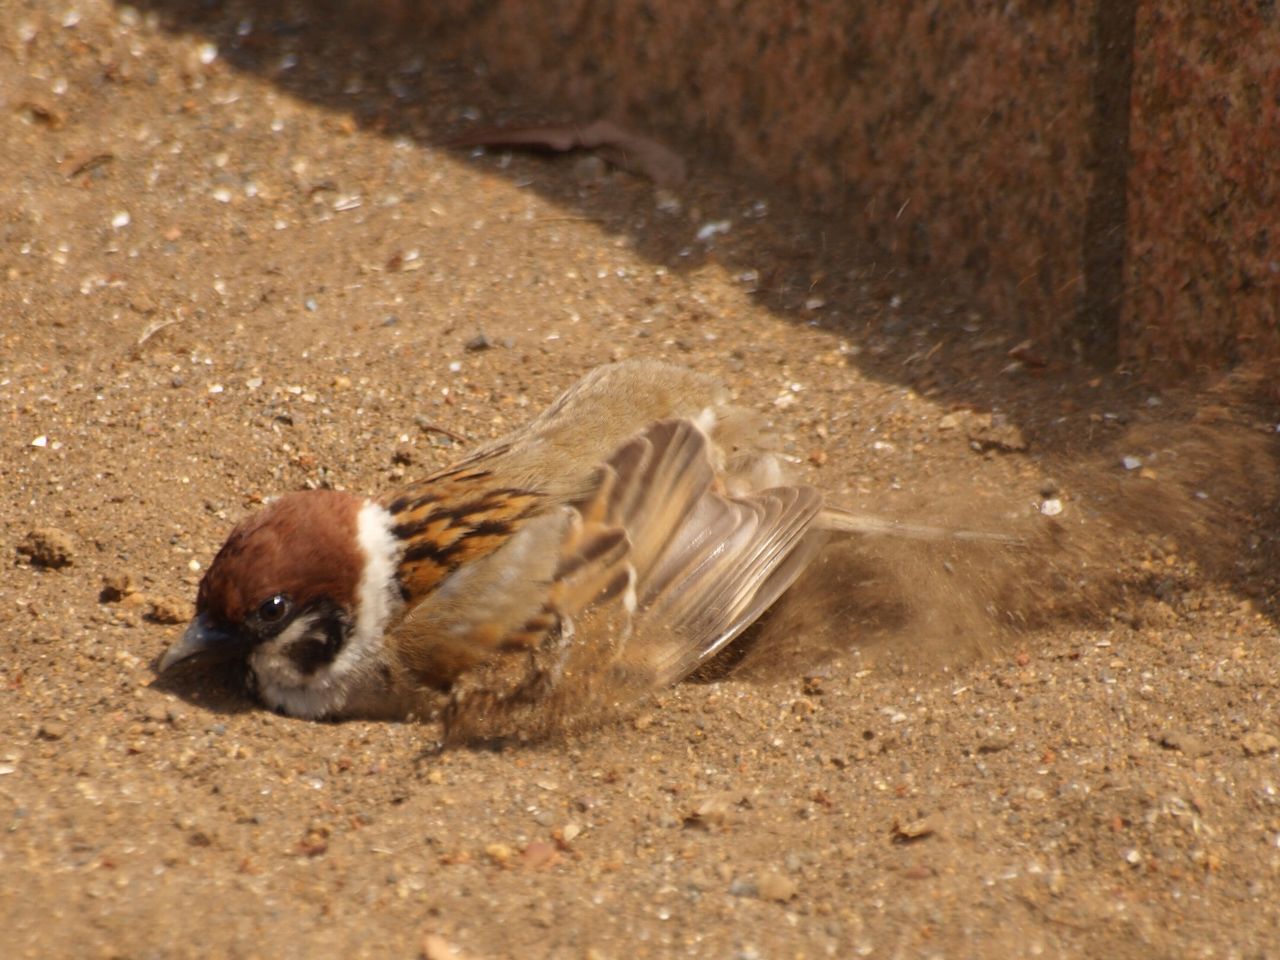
[1203, 265]
[987, 142]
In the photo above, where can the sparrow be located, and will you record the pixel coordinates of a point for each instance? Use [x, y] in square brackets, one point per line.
[605, 550]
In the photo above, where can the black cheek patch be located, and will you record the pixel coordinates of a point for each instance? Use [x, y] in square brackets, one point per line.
[322, 643]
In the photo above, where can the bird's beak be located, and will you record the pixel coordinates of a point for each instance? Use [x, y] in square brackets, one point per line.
[201, 636]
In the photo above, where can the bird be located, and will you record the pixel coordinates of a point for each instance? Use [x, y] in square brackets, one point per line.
[607, 549]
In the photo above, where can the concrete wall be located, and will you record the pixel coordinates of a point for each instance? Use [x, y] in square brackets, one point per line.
[1107, 173]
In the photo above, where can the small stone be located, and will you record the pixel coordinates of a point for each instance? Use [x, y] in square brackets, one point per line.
[666, 201]
[774, 886]
[1184, 742]
[995, 432]
[499, 853]
[711, 812]
[156, 713]
[47, 547]
[436, 947]
[478, 342]
[994, 744]
[52, 730]
[712, 228]
[1256, 743]
[539, 854]
[115, 587]
[917, 829]
[169, 610]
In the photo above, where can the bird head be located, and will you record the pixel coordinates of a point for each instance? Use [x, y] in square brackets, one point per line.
[300, 593]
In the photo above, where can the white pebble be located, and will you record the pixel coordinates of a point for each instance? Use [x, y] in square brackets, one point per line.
[1131, 463]
[710, 229]
[121, 220]
[1051, 507]
[40, 441]
[208, 52]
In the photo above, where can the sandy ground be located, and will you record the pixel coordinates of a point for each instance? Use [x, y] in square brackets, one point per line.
[233, 264]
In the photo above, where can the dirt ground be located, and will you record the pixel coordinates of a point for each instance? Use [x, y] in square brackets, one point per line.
[234, 264]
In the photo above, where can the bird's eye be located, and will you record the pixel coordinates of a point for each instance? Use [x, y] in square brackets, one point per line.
[274, 609]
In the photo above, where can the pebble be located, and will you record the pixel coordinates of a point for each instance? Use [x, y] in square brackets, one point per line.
[666, 201]
[995, 432]
[917, 829]
[713, 227]
[712, 812]
[115, 587]
[169, 610]
[52, 730]
[1051, 507]
[1184, 742]
[539, 853]
[48, 547]
[156, 713]
[775, 886]
[1257, 743]
[499, 853]
[994, 745]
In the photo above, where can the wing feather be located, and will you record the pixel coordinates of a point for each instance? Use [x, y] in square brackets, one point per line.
[625, 589]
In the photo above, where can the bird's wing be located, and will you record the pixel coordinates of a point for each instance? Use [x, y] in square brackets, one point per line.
[587, 606]
[706, 564]
[559, 450]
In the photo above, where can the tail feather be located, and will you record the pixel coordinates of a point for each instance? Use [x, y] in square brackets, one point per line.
[839, 520]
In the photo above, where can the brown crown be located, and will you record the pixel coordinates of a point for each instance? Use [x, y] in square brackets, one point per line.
[303, 545]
